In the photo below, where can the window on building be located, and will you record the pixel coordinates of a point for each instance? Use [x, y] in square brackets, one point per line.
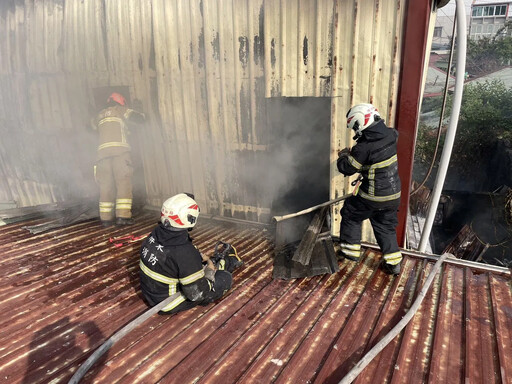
[476, 31]
[438, 31]
[489, 11]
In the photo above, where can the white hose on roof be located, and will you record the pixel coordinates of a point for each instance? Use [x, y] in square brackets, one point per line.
[354, 372]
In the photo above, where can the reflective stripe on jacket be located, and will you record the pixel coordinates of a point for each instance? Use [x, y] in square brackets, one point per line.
[375, 157]
[113, 131]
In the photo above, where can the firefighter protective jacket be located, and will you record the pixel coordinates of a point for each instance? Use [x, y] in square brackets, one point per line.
[374, 156]
[170, 263]
[113, 132]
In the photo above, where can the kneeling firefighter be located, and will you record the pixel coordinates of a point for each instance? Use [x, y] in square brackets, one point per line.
[170, 263]
[378, 196]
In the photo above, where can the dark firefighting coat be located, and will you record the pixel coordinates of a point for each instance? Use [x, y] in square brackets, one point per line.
[374, 156]
[378, 197]
[170, 263]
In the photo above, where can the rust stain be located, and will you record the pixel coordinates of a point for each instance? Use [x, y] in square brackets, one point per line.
[64, 292]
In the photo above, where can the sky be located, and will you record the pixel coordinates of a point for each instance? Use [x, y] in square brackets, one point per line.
[449, 9]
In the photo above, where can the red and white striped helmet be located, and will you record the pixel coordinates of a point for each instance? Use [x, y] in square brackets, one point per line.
[179, 211]
[361, 116]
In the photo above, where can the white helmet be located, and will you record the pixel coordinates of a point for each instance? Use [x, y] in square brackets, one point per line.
[361, 116]
[179, 211]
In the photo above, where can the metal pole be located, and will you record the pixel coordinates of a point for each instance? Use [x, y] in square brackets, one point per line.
[303, 212]
[452, 128]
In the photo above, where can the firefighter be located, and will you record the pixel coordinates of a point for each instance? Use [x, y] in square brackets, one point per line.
[377, 193]
[170, 263]
[113, 170]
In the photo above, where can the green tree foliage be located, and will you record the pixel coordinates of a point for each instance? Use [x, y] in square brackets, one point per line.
[485, 117]
[490, 53]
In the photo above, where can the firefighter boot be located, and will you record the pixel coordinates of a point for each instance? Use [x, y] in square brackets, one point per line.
[351, 251]
[391, 269]
[124, 221]
[107, 223]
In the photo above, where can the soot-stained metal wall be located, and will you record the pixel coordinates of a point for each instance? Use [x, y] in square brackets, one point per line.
[203, 70]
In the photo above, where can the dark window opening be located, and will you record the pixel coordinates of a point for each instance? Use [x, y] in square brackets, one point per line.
[298, 157]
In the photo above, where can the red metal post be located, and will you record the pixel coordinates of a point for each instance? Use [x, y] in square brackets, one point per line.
[407, 111]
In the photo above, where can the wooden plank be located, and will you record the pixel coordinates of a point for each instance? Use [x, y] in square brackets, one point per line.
[303, 253]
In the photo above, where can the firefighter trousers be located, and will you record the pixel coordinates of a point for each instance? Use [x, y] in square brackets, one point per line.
[384, 219]
[223, 282]
[114, 177]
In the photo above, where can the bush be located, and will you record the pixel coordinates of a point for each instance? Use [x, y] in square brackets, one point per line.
[485, 117]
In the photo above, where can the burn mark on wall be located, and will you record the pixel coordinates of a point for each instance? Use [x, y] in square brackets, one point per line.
[273, 53]
[259, 39]
[243, 50]
[325, 84]
[329, 49]
[191, 53]
[216, 47]
[305, 50]
[258, 44]
[201, 61]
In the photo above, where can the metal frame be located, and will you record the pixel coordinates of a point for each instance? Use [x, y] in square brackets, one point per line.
[409, 99]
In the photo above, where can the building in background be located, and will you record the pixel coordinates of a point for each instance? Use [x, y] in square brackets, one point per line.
[443, 31]
[488, 17]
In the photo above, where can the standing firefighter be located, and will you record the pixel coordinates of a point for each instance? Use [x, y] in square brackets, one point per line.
[377, 197]
[114, 165]
[170, 263]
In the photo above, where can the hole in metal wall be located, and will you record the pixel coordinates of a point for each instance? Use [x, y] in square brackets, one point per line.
[299, 152]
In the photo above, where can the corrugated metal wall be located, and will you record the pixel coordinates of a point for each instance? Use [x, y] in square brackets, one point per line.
[204, 71]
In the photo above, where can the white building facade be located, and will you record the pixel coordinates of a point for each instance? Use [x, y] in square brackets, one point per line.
[488, 17]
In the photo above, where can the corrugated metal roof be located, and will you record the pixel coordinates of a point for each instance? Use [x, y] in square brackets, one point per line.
[64, 292]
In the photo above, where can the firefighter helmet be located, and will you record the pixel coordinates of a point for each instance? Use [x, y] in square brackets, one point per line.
[180, 211]
[361, 116]
[117, 97]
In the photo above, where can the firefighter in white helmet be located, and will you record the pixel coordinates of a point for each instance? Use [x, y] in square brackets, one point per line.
[170, 263]
[113, 170]
[377, 194]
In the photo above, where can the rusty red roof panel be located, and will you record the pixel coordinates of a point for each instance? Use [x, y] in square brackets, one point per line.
[66, 291]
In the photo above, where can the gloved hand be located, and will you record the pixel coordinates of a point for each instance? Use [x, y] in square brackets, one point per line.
[209, 273]
[344, 152]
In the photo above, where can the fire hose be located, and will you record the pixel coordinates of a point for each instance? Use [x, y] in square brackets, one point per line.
[358, 368]
[118, 336]
[222, 251]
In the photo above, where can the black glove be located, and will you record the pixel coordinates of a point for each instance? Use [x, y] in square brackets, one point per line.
[344, 152]
[209, 273]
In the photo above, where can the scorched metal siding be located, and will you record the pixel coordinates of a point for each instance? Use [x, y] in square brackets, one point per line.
[204, 72]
